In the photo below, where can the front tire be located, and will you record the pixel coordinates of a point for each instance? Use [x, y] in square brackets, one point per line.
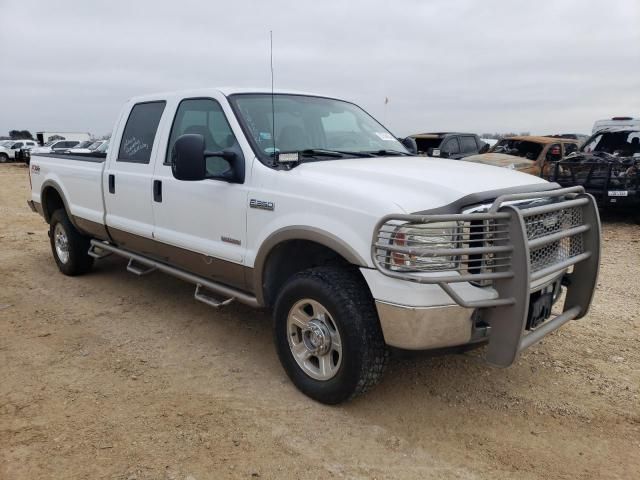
[69, 247]
[4, 158]
[328, 335]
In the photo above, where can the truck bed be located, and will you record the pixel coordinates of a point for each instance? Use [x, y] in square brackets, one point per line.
[77, 178]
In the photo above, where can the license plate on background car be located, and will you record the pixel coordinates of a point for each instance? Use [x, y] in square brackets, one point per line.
[618, 193]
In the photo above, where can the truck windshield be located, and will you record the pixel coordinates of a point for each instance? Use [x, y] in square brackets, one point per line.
[620, 143]
[312, 124]
[518, 148]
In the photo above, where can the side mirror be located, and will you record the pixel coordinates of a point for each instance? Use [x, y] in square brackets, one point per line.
[484, 149]
[410, 144]
[189, 160]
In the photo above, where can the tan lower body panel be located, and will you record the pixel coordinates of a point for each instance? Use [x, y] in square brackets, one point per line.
[228, 273]
[91, 229]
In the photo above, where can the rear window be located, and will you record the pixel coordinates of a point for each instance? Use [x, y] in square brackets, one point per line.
[425, 144]
[140, 132]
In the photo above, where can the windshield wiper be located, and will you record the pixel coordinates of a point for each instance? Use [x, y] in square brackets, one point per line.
[389, 153]
[321, 152]
[335, 153]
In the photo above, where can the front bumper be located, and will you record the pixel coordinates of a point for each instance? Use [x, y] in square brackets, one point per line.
[424, 328]
[536, 244]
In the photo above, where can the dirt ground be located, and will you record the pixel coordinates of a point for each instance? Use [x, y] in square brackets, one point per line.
[118, 377]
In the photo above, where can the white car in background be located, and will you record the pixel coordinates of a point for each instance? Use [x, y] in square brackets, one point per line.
[81, 145]
[8, 148]
[55, 146]
[90, 148]
[103, 149]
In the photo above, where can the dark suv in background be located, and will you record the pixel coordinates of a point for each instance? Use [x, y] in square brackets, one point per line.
[449, 144]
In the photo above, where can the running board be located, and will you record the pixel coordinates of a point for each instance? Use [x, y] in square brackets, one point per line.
[229, 293]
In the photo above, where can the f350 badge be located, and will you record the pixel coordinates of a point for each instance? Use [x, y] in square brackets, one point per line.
[262, 204]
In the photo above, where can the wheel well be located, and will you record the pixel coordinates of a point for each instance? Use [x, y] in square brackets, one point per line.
[293, 256]
[51, 201]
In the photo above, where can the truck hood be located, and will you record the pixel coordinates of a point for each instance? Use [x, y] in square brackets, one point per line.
[500, 160]
[406, 184]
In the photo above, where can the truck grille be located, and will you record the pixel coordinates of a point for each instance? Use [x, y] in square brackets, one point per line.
[545, 224]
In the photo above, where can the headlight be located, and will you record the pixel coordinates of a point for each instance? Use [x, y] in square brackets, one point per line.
[440, 235]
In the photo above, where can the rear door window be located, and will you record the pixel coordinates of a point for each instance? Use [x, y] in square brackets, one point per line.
[468, 144]
[140, 132]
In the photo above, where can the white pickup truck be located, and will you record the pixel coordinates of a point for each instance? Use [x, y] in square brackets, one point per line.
[307, 206]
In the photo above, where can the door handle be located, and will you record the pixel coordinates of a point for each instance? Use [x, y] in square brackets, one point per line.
[112, 183]
[157, 191]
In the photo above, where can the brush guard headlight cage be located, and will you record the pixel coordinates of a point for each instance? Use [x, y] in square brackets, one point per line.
[512, 246]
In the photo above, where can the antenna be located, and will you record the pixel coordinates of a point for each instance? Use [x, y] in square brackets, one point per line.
[273, 110]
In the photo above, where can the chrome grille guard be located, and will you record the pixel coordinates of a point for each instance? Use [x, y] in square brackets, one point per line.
[512, 246]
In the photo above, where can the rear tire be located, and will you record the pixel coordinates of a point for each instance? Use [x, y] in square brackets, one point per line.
[69, 247]
[341, 352]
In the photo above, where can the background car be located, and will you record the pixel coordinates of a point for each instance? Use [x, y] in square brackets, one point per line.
[56, 146]
[608, 167]
[529, 154]
[10, 147]
[87, 147]
[83, 144]
[449, 144]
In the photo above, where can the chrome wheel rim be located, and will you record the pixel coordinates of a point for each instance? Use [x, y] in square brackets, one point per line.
[61, 243]
[314, 339]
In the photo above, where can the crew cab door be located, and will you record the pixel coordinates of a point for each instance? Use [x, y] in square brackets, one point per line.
[201, 224]
[127, 179]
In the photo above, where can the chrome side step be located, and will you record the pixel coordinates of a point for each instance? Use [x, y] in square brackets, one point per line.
[133, 267]
[138, 263]
[209, 300]
[96, 252]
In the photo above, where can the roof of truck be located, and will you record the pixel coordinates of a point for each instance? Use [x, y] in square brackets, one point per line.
[226, 91]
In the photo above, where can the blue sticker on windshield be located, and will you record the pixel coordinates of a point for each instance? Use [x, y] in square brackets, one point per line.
[265, 136]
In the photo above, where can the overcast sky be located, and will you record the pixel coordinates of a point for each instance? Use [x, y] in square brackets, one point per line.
[481, 66]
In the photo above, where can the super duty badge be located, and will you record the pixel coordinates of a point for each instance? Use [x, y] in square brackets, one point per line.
[261, 204]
